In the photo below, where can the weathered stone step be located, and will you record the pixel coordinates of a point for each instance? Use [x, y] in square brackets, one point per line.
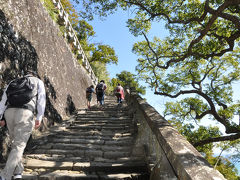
[95, 133]
[105, 124]
[68, 175]
[117, 146]
[83, 140]
[102, 122]
[105, 111]
[124, 176]
[103, 132]
[66, 157]
[104, 118]
[85, 166]
[100, 128]
[108, 108]
[83, 152]
[59, 175]
[58, 137]
[79, 116]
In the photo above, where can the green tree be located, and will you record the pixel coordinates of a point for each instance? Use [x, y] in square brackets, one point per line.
[104, 54]
[195, 134]
[101, 72]
[224, 166]
[128, 80]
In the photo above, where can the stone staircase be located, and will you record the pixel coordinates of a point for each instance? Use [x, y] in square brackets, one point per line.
[93, 144]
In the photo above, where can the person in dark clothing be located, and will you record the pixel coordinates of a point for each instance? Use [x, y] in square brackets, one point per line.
[100, 92]
[89, 92]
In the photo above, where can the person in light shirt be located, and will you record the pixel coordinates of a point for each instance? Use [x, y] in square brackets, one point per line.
[20, 123]
[119, 93]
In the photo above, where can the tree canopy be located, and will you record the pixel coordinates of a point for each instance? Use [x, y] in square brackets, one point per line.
[128, 80]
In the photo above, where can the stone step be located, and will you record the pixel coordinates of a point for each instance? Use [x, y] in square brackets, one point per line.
[85, 166]
[109, 146]
[102, 112]
[87, 136]
[103, 120]
[93, 116]
[100, 128]
[68, 175]
[83, 141]
[109, 122]
[76, 137]
[58, 175]
[102, 123]
[105, 111]
[93, 153]
[102, 132]
[106, 108]
[66, 157]
[91, 133]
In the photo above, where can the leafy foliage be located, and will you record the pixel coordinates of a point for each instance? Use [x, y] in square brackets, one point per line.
[104, 54]
[128, 80]
[195, 134]
[225, 167]
[51, 9]
[101, 72]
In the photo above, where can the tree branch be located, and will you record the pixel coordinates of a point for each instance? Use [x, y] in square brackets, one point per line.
[212, 110]
[217, 139]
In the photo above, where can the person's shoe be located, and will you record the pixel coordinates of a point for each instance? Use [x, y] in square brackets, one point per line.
[17, 177]
[2, 178]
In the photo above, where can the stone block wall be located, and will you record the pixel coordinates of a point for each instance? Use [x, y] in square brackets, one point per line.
[168, 153]
[30, 39]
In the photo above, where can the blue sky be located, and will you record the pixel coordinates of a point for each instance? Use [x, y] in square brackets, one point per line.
[113, 31]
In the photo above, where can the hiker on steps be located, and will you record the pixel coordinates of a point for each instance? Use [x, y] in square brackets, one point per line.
[89, 92]
[119, 93]
[20, 100]
[100, 92]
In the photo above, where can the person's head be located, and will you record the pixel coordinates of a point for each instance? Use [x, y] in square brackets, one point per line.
[119, 84]
[102, 81]
[91, 86]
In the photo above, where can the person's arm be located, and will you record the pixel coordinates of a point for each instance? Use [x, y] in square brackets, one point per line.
[3, 105]
[41, 104]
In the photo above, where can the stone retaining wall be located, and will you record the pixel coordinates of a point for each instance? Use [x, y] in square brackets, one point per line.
[169, 155]
[30, 38]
